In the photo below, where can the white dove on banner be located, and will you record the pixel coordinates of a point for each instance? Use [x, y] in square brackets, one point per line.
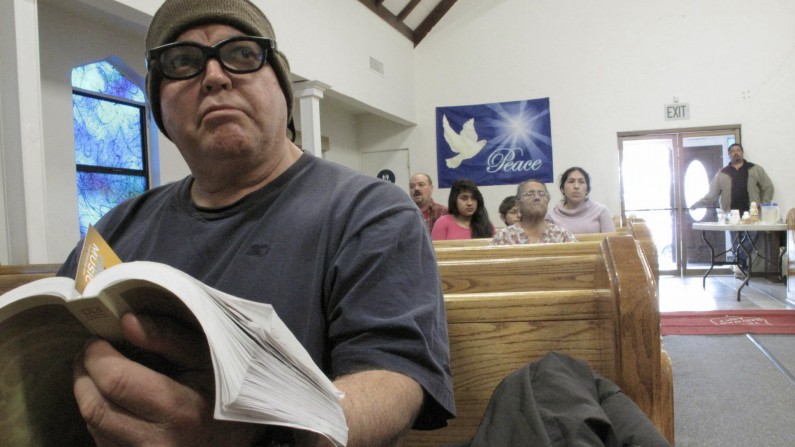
[465, 144]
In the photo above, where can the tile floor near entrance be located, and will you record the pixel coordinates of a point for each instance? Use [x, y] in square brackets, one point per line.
[686, 293]
[730, 390]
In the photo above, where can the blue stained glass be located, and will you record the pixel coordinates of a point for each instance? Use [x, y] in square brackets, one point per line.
[109, 137]
[103, 77]
[107, 133]
[97, 193]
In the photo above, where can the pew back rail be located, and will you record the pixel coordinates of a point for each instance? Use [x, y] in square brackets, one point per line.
[12, 276]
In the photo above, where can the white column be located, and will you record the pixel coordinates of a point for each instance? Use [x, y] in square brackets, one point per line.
[23, 147]
[309, 94]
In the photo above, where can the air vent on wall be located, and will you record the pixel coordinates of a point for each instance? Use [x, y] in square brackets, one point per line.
[376, 65]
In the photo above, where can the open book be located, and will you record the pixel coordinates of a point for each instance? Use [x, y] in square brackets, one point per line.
[262, 373]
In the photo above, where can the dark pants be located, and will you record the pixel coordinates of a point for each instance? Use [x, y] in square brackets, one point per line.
[747, 239]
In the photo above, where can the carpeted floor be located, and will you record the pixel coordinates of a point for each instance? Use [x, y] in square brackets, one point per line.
[733, 390]
[728, 322]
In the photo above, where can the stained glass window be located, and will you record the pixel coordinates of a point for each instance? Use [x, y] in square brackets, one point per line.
[102, 77]
[98, 193]
[110, 143]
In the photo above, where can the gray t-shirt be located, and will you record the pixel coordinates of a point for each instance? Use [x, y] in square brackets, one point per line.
[345, 260]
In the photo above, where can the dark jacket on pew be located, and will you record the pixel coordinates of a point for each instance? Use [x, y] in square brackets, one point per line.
[559, 402]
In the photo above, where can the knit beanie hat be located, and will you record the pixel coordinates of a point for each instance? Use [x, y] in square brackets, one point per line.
[177, 16]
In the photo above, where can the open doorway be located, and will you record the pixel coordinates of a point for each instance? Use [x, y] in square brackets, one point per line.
[662, 173]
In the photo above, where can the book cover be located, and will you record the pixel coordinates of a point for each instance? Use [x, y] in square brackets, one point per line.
[95, 256]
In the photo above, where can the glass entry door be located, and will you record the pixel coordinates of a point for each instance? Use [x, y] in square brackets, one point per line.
[648, 191]
[662, 174]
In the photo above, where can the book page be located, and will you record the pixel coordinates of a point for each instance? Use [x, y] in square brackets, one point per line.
[37, 350]
[283, 383]
[55, 290]
[262, 373]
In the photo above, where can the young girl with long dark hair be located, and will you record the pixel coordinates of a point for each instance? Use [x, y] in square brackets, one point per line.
[468, 217]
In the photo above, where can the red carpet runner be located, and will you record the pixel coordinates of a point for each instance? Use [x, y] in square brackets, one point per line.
[728, 322]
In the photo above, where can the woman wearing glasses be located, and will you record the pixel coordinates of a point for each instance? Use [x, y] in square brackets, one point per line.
[576, 211]
[533, 200]
[468, 218]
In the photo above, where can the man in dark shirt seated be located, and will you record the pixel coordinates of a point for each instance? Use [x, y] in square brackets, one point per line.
[354, 280]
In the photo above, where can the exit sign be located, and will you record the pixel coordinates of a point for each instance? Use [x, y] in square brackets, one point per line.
[678, 111]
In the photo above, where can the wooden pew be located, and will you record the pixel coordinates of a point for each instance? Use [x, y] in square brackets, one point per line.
[584, 237]
[790, 257]
[463, 242]
[587, 243]
[520, 274]
[640, 230]
[12, 276]
[516, 251]
[601, 308]
[479, 242]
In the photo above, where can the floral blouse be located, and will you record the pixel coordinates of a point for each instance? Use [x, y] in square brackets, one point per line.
[515, 235]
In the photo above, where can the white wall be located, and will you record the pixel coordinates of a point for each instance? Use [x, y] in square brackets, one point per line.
[339, 126]
[10, 137]
[609, 67]
[332, 41]
[3, 213]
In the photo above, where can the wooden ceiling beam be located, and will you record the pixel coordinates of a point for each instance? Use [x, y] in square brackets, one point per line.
[377, 7]
[407, 10]
[433, 18]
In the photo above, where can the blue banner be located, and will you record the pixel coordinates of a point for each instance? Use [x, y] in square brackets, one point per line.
[494, 144]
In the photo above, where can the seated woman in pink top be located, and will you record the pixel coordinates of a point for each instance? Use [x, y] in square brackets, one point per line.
[576, 212]
[468, 217]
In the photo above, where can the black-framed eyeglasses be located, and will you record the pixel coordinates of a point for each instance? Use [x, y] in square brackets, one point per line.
[185, 60]
[532, 194]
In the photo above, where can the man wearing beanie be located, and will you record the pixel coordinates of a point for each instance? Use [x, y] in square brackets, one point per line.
[344, 259]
